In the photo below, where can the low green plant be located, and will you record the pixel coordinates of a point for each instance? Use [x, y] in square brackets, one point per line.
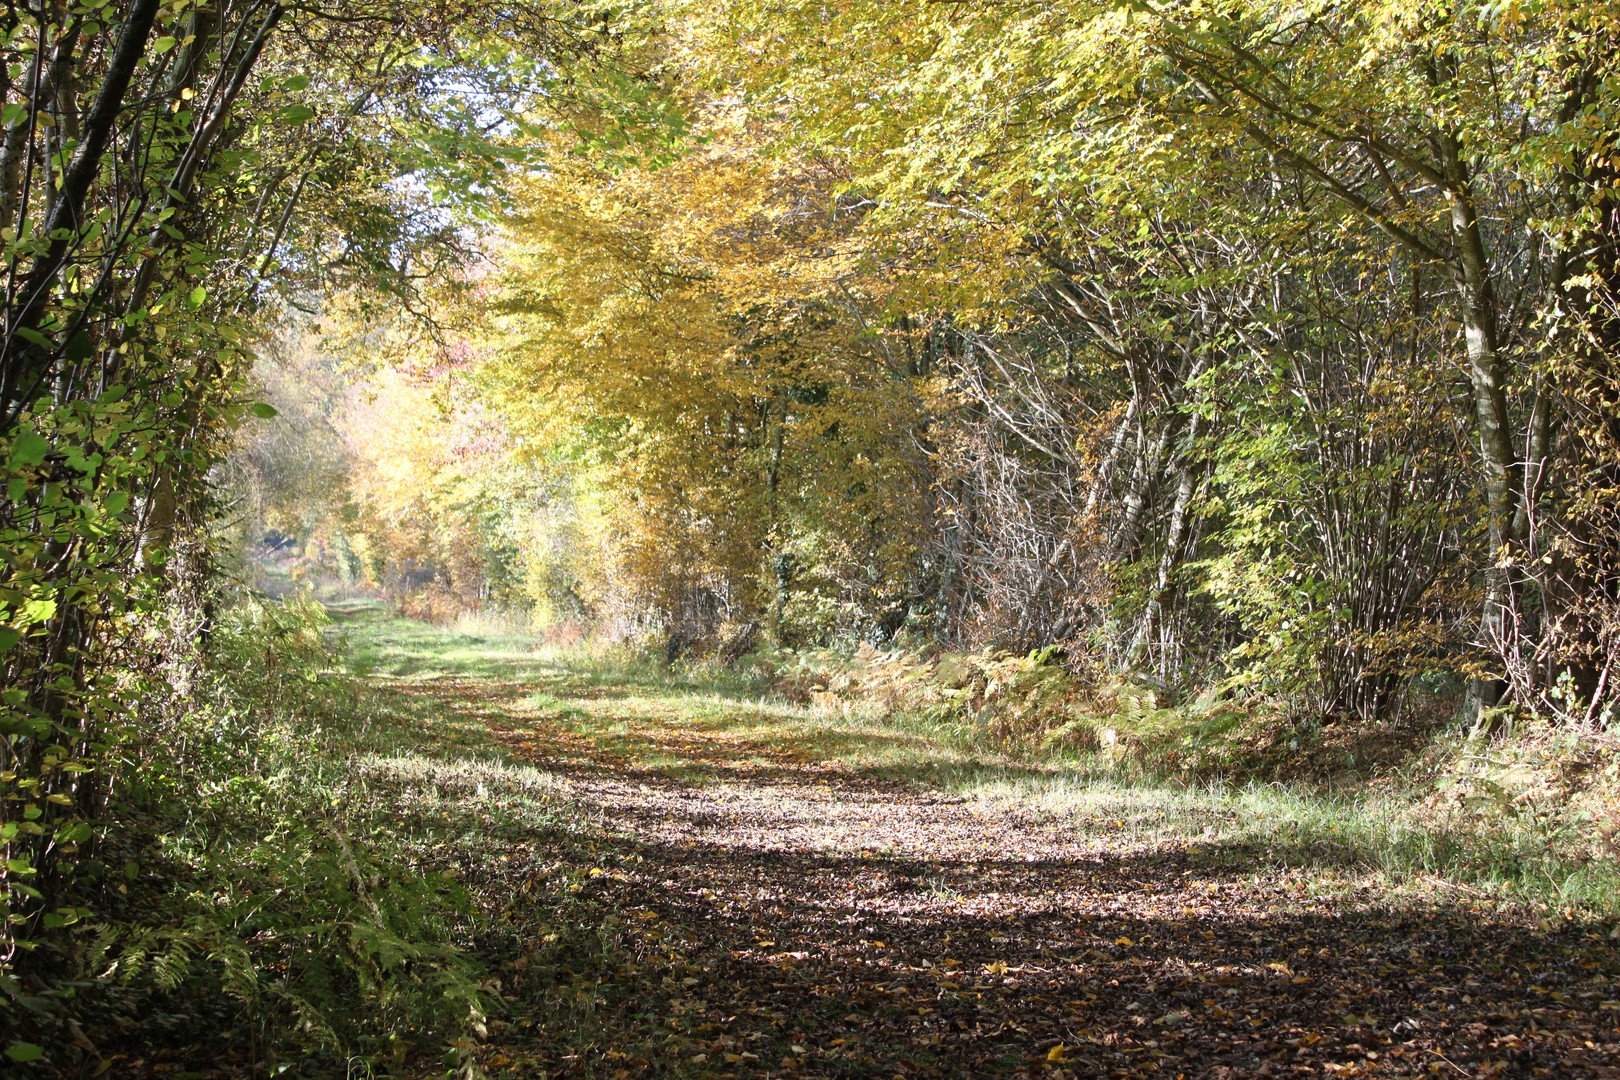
[271, 879]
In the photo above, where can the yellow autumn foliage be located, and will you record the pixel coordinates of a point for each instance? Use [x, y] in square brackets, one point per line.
[690, 340]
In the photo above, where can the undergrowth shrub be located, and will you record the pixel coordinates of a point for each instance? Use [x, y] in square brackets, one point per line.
[436, 604]
[1036, 703]
[264, 887]
[1026, 701]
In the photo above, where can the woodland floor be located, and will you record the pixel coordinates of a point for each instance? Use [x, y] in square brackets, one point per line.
[672, 882]
[783, 904]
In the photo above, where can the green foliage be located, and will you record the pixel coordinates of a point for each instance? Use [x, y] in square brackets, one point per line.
[277, 895]
[1327, 548]
[270, 169]
[65, 555]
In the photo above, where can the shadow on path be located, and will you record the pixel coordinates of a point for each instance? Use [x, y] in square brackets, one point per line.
[833, 923]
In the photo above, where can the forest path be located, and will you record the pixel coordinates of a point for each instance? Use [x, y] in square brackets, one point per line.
[780, 906]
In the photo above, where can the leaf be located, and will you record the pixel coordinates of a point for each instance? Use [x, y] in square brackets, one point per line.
[28, 449]
[24, 1052]
[79, 347]
[264, 411]
[8, 638]
[196, 297]
[38, 611]
[296, 114]
[296, 83]
[163, 45]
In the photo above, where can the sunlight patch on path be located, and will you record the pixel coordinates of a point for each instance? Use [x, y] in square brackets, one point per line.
[790, 908]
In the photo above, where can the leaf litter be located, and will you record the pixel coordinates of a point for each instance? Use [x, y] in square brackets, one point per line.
[760, 913]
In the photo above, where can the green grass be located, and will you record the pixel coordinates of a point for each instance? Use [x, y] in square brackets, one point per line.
[701, 725]
[384, 647]
[309, 828]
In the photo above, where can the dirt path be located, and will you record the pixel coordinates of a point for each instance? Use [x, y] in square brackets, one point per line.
[799, 919]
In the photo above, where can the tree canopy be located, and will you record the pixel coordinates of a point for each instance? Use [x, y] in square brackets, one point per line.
[1236, 356]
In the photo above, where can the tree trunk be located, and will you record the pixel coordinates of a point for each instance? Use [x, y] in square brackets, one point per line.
[1471, 277]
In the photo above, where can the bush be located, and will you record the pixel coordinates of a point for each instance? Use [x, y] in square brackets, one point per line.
[263, 888]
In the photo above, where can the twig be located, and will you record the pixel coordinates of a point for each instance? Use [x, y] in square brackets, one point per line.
[1453, 885]
[1448, 1061]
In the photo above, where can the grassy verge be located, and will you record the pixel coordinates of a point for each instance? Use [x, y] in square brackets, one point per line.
[1444, 821]
[1525, 819]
